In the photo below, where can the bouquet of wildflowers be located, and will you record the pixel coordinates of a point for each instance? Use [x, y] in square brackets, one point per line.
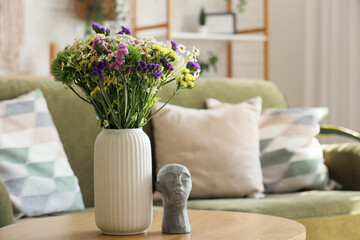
[120, 75]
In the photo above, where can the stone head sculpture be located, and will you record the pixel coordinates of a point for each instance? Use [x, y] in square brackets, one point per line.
[174, 184]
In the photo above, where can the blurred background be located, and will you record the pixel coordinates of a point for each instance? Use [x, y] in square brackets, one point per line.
[309, 48]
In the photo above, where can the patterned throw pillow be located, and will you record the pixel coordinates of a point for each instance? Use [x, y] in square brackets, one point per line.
[291, 157]
[33, 164]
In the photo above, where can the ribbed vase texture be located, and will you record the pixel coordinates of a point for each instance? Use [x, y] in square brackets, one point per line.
[123, 181]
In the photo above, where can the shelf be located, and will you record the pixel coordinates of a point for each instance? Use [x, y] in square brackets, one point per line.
[220, 37]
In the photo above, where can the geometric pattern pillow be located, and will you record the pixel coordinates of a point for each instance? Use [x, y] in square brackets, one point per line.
[291, 157]
[33, 164]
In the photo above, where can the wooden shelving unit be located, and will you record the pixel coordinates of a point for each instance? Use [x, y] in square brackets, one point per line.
[248, 35]
[220, 37]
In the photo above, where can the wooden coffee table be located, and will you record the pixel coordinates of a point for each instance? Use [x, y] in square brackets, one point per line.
[204, 224]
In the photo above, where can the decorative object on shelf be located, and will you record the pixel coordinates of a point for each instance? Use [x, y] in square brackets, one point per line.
[206, 66]
[240, 5]
[202, 22]
[174, 184]
[221, 22]
[96, 10]
[120, 77]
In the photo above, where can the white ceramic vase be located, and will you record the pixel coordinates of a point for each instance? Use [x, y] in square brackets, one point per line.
[123, 181]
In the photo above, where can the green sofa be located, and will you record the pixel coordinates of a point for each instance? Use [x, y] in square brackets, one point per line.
[326, 214]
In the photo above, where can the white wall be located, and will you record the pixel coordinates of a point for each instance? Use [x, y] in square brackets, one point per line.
[46, 21]
[55, 21]
[287, 48]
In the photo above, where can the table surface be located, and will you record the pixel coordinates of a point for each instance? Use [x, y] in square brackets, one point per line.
[204, 225]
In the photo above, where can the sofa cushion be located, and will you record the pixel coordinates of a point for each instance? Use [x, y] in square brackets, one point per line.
[229, 90]
[219, 147]
[291, 157]
[33, 164]
[297, 205]
[75, 122]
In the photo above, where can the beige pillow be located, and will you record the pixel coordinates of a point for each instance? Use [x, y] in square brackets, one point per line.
[220, 147]
[290, 154]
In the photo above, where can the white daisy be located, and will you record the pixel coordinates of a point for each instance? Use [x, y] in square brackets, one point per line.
[106, 123]
[191, 56]
[197, 74]
[196, 51]
[181, 48]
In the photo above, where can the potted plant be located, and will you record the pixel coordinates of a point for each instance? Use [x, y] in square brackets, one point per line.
[120, 77]
[96, 10]
[202, 22]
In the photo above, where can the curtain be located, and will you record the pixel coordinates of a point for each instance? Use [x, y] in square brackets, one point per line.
[11, 32]
[332, 59]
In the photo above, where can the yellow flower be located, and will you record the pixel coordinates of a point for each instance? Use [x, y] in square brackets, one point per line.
[184, 70]
[178, 79]
[183, 83]
[191, 84]
[97, 89]
[164, 51]
[156, 47]
[93, 58]
[189, 77]
[173, 55]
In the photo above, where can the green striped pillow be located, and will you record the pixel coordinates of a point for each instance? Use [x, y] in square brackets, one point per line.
[291, 156]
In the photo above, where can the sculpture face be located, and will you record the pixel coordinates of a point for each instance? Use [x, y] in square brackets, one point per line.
[174, 183]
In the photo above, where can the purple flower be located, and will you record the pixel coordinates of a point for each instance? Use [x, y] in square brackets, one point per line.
[124, 30]
[137, 63]
[128, 70]
[193, 66]
[96, 27]
[174, 46]
[99, 29]
[100, 68]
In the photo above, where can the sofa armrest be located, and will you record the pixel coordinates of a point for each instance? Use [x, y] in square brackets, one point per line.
[343, 161]
[6, 214]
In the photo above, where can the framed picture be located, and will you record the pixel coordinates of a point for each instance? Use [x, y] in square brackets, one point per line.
[221, 22]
